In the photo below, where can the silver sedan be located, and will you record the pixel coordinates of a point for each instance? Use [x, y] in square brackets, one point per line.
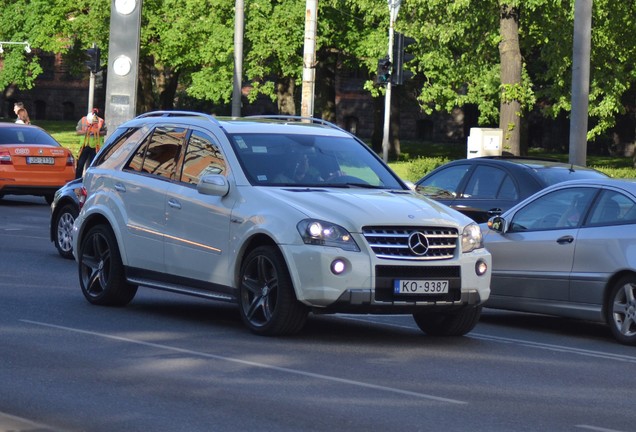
[569, 250]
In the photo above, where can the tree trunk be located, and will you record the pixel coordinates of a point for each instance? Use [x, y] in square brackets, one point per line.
[145, 100]
[510, 54]
[378, 124]
[285, 89]
[394, 129]
[167, 81]
[326, 85]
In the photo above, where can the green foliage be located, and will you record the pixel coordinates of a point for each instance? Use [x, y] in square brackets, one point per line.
[624, 173]
[426, 156]
[457, 59]
[63, 132]
[419, 167]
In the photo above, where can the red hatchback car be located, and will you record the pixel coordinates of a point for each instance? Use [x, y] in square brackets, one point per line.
[32, 162]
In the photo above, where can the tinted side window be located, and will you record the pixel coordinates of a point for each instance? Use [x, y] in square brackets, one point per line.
[202, 157]
[444, 183]
[489, 182]
[120, 136]
[612, 208]
[159, 154]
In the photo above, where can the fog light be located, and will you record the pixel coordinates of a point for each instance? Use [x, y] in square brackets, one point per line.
[338, 267]
[481, 267]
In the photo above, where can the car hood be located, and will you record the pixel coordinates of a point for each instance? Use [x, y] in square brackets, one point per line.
[354, 208]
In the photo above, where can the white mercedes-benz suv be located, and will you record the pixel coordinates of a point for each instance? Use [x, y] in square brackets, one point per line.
[282, 216]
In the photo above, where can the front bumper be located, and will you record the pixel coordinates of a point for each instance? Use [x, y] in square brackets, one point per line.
[366, 285]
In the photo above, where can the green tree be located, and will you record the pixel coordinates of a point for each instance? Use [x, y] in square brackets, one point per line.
[468, 55]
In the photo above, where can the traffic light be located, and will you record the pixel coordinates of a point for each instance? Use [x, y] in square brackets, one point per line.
[384, 71]
[92, 62]
[401, 56]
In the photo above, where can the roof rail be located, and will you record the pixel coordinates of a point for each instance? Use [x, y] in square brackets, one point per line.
[168, 113]
[297, 119]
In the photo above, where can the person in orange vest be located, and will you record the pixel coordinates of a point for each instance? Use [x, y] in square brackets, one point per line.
[93, 128]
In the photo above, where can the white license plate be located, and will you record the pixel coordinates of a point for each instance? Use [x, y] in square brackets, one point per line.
[419, 286]
[40, 160]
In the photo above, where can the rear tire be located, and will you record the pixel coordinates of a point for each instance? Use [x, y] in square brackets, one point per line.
[455, 323]
[621, 310]
[101, 272]
[63, 231]
[267, 301]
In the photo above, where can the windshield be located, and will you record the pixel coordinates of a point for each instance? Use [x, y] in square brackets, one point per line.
[309, 160]
[26, 135]
[554, 175]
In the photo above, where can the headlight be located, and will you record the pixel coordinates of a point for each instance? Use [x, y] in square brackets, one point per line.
[471, 238]
[323, 233]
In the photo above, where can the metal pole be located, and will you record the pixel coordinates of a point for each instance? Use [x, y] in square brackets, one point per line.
[91, 89]
[394, 6]
[91, 92]
[239, 15]
[580, 81]
[309, 59]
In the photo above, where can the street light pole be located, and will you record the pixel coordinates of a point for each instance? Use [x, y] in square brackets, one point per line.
[309, 59]
[394, 7]
[239, 17]
[91, 88]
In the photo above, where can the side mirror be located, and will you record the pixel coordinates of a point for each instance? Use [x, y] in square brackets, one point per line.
[497, 223]
[213, 184]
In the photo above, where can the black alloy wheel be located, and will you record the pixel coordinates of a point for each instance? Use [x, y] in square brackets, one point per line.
[267, 301]
[452, 323]
[101, 272]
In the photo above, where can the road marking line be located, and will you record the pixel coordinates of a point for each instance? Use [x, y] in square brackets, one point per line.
[10, 422]
[559, 348]
[596, 428]
[526, 343]
[251, 363]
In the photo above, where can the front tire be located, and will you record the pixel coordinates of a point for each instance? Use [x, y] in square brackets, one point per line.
[267, 301]
[64, 230]
[101, 271]
[621, 310]
[455, 323]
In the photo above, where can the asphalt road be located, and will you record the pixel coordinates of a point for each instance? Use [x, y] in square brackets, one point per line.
[175, 363]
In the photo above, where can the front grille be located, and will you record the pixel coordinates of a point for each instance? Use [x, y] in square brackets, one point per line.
[385, 275]
[393, 242]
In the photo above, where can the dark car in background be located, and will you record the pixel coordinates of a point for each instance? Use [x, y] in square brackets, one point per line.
[487, 186]
[66, 205]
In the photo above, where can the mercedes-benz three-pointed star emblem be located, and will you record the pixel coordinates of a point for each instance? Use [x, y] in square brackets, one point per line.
[418, 243]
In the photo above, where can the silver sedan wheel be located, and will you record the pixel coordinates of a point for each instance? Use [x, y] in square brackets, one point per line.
[64, 231]
[622, 310]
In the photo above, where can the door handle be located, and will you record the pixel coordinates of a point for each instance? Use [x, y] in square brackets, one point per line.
[120, 187]
[565, 239]
[174, 203]
[494, 212]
